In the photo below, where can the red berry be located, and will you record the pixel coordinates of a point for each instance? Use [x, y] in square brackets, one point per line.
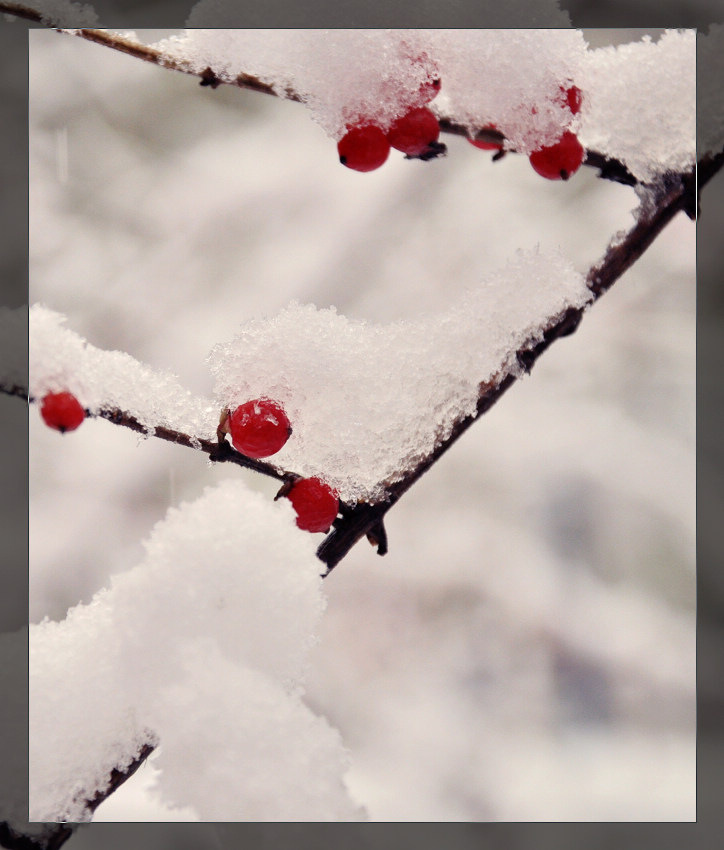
[62, 411]
[485, 145]
[315, 502]
[259, 428]
[560, 160]
[573, 98]
[363, 148]
[414, 132]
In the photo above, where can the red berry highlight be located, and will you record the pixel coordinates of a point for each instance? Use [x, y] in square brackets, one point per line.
[62, 411]
[315, 503]
[560, 160]
[414, 132]
[363, 148]
[259, 428]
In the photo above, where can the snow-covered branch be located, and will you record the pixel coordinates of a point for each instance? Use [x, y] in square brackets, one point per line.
[149, 397]
[456, 112]
[654, 215]
[199, 642]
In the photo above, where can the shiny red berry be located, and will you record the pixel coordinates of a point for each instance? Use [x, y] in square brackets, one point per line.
[315, 503]
[560, 160]
[363, 148]
[414, 132]
[259, 428]
[62, 411]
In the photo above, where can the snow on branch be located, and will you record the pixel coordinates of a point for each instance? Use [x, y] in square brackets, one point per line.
[504, 82]
[394, 392]
[205, 641]
[656, 211]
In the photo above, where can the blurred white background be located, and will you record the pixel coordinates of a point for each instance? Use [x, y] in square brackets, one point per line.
[526, 651]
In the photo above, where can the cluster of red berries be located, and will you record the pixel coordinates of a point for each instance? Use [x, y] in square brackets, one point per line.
[62, 411]
[259, 429]
[555, 162]
[366, 146]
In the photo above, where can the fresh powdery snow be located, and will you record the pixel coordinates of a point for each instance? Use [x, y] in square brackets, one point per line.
[200, 649]
[60, 359]
[366, 402]
[640, 103]
[639, 99]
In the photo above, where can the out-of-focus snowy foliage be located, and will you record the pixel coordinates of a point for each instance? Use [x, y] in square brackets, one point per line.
[526, 649]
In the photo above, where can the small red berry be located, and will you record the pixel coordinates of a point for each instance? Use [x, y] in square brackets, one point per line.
[363, 148]
[560, 160]
[259, 428]
[315, 503]
[484, 144]
[62, 411]
[414, 132]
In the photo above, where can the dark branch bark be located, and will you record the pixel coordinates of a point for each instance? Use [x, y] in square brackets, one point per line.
[118, 777]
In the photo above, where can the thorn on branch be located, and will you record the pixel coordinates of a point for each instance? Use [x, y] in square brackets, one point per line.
[377, 536]
[209, 78]
[571, 320]
[432, 151]
[220, 450]
[286, 487]
[526, 359]
[610, 169]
